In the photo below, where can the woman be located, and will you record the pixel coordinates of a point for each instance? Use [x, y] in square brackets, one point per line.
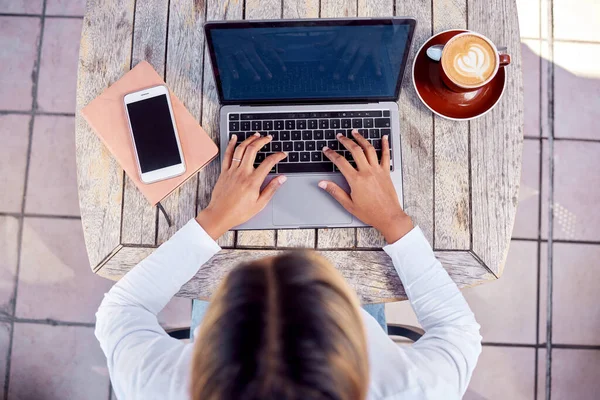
[288, 327]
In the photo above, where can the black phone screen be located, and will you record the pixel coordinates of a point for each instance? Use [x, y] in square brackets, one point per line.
[153, 133]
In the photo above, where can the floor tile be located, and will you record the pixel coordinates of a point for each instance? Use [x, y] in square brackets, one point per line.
[57, 362]
[9, 236]
[529, 18]
[65, 7]
[506, 308]
[19, 37]
[541, 375]
[55, 280]
[577, 20]
[52, 185]
[530, 57]
[576, 278]
[177, 313]
[575, 374]
[527, 217]
[546, 66]
[58, 69]
[543, 293]
[503, 373]
[577, 89]
[21, 6]
[535, 54]
[14, 136]
[4, 348]
[576, 191]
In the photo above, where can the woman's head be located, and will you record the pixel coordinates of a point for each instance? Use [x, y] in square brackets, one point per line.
[286, 327]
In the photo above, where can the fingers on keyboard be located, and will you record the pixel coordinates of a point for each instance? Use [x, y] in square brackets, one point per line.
[303, 135]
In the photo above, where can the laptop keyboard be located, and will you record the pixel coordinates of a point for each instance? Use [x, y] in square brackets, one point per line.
[304, 134]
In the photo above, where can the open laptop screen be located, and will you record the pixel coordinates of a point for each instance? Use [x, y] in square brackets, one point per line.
[310, 60]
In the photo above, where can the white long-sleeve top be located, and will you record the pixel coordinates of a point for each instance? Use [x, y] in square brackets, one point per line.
[145, 363]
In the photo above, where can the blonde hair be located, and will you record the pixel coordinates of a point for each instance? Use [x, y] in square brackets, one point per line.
[285, 327]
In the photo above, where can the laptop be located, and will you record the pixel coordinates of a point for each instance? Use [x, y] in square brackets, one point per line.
[303, 82]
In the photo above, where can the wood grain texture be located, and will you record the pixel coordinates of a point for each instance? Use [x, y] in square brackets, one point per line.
[452, 210]
[264, 9]
[338, 8]
[227, 240]
[149, 43]
[375, 8]
[497, 140]
[298, 238]
[335, 238]
[370, 273]
[105, 55]
[185, 67]
[416, 127]
[123, 261]
[264, 238]
[150, 33]
[301, 9]
[449, 14]
[207, 178]
[369, 238]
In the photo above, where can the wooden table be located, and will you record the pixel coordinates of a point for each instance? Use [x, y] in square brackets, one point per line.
[461, 179]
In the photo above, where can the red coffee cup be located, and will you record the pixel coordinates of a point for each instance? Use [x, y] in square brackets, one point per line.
[501, 60]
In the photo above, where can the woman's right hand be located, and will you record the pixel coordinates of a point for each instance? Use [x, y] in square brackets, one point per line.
[372, 198]
[236, 196]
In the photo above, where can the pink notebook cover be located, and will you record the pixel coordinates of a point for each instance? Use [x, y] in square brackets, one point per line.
[106, 116]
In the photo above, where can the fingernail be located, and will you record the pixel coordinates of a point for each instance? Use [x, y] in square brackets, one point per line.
[323, 185]
[270, 136]
[233, 137]
[325, 149]
[286, 153]
[355, 131]
[385, 137]
[339, 135]
[256, 134]
[282, 179]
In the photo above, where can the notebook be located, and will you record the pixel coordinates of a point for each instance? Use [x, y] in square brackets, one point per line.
[106, 115]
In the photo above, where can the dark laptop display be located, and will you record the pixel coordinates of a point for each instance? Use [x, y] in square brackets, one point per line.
[316, 60]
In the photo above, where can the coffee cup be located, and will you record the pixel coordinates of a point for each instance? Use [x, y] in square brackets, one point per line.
[470, 61]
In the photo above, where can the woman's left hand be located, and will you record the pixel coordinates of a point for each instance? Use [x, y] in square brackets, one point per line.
[237, 197]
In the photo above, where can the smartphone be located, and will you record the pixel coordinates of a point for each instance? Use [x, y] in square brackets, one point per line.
[154, 134]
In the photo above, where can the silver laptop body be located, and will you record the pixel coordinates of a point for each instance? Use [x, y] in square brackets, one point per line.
[300, 203]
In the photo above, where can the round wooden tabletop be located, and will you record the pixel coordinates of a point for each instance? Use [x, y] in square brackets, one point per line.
[460, 179]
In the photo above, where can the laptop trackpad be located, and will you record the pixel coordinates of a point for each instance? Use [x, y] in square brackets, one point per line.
[300, 202]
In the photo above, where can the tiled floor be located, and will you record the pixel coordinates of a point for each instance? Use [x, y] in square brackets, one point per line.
[48, 295]
[513, 310]
[47, 344]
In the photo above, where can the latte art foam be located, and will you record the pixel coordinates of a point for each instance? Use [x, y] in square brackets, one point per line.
[469, 60]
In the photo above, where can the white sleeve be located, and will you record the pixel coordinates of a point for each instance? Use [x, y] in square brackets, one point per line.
[451, 345]
[143, 361]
